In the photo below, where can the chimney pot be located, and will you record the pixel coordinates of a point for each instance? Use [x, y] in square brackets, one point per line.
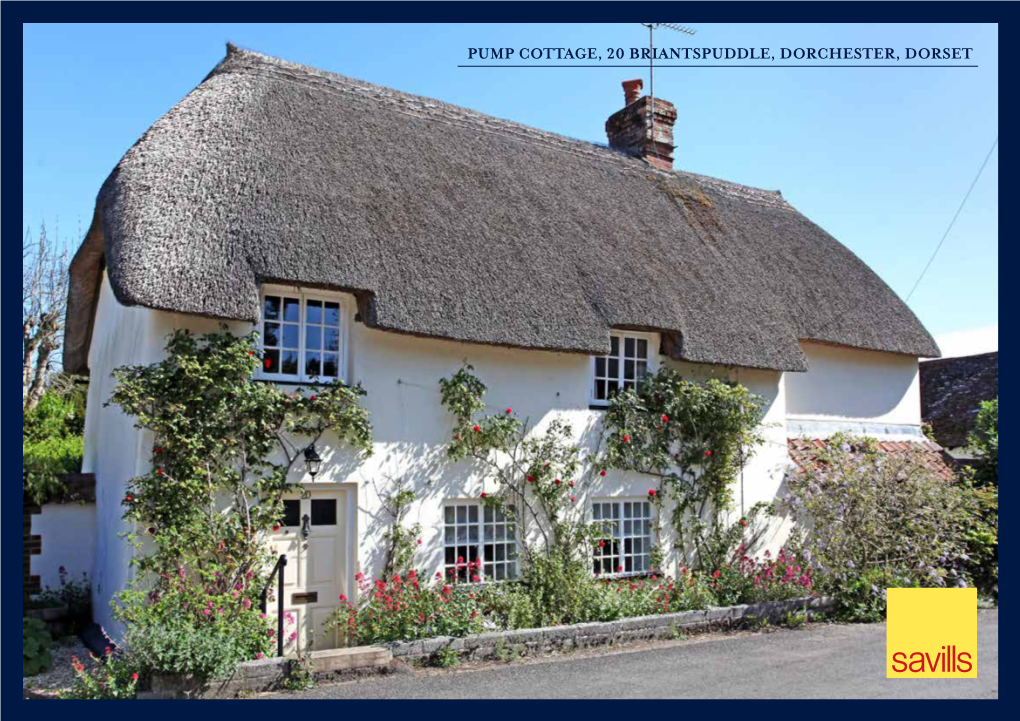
[632, 91]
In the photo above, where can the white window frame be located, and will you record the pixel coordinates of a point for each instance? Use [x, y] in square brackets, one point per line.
[622, 336]
[622, 536]
[303, 295]
[511, 565]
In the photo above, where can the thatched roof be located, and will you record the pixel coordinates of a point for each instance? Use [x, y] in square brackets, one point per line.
[952, 390]
[453, 224]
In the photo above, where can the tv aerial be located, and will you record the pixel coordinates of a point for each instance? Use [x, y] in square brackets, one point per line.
[652, 27]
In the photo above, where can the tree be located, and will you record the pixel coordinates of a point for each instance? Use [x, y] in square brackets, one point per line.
[44, 285]
[985, 441]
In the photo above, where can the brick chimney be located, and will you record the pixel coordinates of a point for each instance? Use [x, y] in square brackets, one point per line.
[630, 129]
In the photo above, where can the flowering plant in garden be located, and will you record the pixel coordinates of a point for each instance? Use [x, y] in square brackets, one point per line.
[752, 580]
[694, 438]
[535, 476]
[862, 511]
[109, 677]
[203, 514]
[405, 608]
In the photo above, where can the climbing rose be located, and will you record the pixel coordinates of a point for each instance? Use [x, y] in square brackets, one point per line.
[665, 418]
[484, 494]
[557, 481]
[343, 597]
[602, 544]
[708, 453]
[276, 526]
[602, 473]
[477, 428]
[571, 484]
[716, 574]
[159, 471]
[626, 438]
[531, 479]
[651, 492]
[509, 410]
[419, 541]
[158, 450]
[743, 521]
[134, 676]
[129, 498]
[573, 499]
[312, 398]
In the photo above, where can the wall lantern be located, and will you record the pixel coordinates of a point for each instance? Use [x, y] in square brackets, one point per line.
[312, 461]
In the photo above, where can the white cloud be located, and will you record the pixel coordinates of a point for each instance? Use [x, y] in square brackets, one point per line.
[969, 342]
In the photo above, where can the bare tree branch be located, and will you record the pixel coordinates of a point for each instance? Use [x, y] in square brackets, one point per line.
[45, 278]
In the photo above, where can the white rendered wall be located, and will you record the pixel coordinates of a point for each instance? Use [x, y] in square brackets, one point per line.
[410, 427]
[846, 389]
[68, 531]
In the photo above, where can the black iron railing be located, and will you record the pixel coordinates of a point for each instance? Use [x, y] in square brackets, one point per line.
[281, 563]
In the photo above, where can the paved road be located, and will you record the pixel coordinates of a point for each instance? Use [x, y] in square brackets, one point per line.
[820, 661]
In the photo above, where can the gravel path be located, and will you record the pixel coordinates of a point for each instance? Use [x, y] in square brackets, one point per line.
[60, 675]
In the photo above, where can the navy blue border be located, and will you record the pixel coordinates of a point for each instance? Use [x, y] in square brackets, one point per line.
[11, 41]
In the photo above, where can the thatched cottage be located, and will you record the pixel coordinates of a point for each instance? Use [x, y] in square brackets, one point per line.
[404, 236]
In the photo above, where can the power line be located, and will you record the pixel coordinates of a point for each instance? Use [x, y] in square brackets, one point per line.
[953, 221]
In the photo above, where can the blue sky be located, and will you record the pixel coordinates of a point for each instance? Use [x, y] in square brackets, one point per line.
[879, 157]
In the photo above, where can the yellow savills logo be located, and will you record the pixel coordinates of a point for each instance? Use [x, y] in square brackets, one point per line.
[931, 633]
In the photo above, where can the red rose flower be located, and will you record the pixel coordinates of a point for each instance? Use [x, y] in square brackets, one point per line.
[483, 494]
[134, 676]
[251, 352]
[557, 481]
[571, 484]
[743, 522]
[509, 410]
[665, 418]
[602, 473]
[129, 498]
[573, 499]
[158, 450]
[602, 544]
[276, 526]
[477, 428]
[531, 479]
[419, 541]
[312, 398]
[716, 574]
[651, 492]
[626, 438]
[159, 471]
[708, 453]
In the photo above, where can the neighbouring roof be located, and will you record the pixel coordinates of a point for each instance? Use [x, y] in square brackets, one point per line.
[804, 453]
[448, 223]
[952, 390]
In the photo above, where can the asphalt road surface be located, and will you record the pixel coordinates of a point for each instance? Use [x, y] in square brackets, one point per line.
[818, 661]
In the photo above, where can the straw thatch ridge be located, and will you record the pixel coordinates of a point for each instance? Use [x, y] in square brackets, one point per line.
[453, 224]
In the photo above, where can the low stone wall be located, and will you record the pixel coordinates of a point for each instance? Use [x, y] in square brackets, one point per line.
[587, 635]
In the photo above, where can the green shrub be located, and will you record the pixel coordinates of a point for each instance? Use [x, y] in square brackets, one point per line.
[35, 646]
[186, 633]
[985, 442]
[111, 677]
[754, 580]
[860, 509]
[52, 443]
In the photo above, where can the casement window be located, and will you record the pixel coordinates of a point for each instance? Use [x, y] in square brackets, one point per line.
[627, 546]
[304, 336]
[628, 362]
[474, 531]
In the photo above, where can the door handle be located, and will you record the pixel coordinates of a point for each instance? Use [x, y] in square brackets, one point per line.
[306, 528]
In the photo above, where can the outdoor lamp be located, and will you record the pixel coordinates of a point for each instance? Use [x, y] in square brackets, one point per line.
[312, 460]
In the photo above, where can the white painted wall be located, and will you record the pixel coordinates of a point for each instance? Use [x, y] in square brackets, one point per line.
[410, 427]
[854, 390]
[68, 531]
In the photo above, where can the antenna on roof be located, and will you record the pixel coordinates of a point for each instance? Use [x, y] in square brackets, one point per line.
[652, 27]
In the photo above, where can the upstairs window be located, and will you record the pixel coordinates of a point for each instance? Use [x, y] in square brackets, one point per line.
[303, 336]
[626, 365]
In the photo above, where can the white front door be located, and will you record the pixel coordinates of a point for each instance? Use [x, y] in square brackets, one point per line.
[312, 535]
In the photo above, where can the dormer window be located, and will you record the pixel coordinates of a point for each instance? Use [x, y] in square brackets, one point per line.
[304, 336]
[628, 362]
